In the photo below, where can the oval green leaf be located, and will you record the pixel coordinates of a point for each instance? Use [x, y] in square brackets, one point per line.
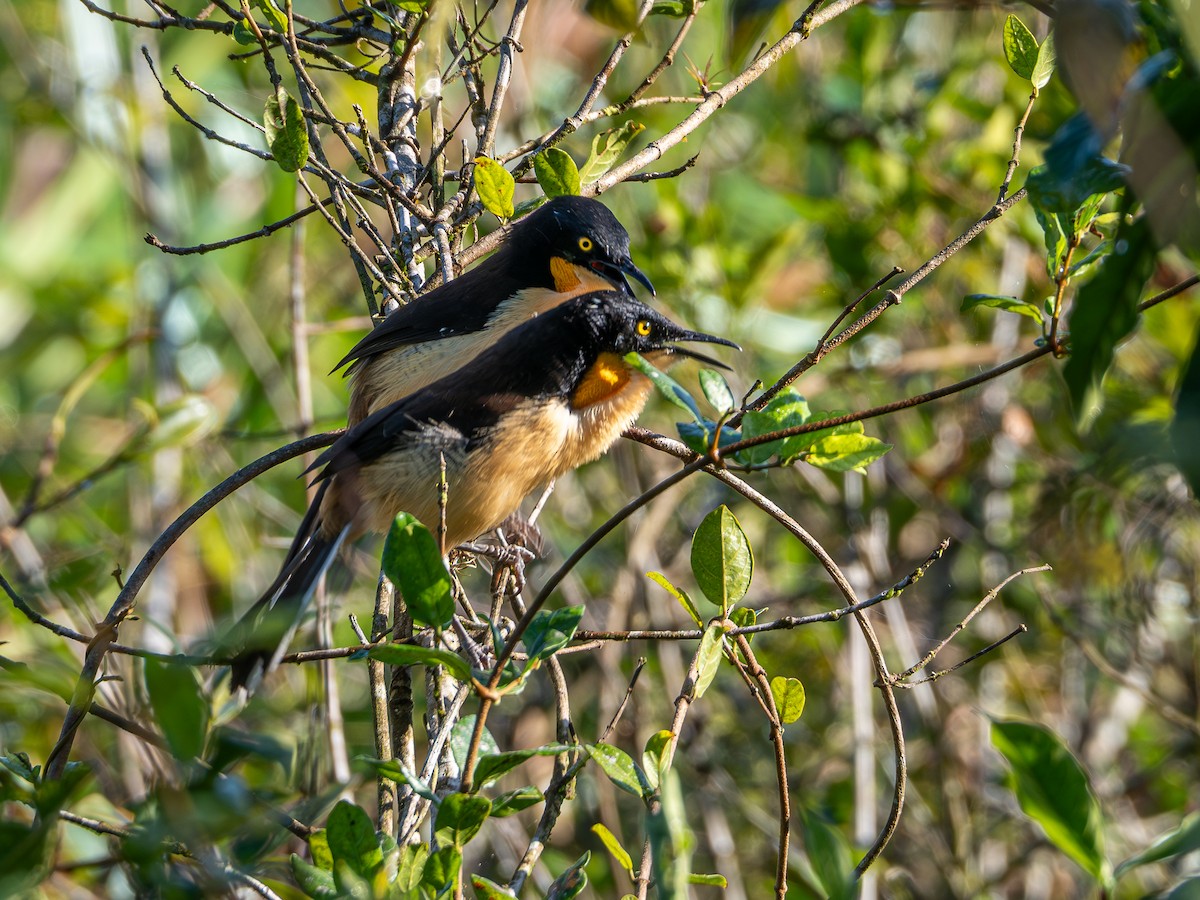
[352, 839]
[413, 563]
[495, 186]
[788, 694]
[722, 560]
[1020, 47]
[287, 132]
[556, 172]
[179, 707]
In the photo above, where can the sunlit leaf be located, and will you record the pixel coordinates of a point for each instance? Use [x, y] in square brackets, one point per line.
[679, 594]
[1020, 47]
[613, 846]
[413, 563]
[496, 187]
[556, 172]
[722, 560]
[999, 301]
[287, 131]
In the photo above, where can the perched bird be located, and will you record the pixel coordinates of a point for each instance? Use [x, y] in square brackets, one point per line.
[567, 247]
[550, 395]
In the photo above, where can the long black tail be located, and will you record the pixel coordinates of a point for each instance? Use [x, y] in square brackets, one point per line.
[261, 637]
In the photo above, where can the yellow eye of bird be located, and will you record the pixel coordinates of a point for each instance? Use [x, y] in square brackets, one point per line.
[643, 328]
[585, 244]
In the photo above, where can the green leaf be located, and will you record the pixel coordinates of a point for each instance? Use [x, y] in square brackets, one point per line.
[441, 871]
[556, 172]
[243, 35]
[829, 856]
[1177, 842]
[1053, 790]
[287, 132]
[743, 617]
[413, 563]
[620, 768]
[412, 655]
[676, 9]
[708, 658]
[411, 866]
[459, 818]
[788, 694]
[318, 846]
[569, 884]
[393, 769]
[1104, 314]
[179, 707]
[460, 741]
[712, 880]
[717, 391]
[846, 452]
[549, 632]
[493, 765]
[1074, 169]
[1044, 67]
[352, 839]
[999, 301]
[667, 386]
[486, 889]
[722, 560]
[623, 15]
[613, 846]
[1184, 430]
[512, 802]
[315, 882]
[699, 438]
[655, 758]
[273, 13]
[607, 148]
[785, 410]
[679, 594]
[1020, 47]
[20, 765]
[495, 186]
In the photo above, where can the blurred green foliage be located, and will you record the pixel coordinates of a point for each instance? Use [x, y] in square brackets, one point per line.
[873, 145]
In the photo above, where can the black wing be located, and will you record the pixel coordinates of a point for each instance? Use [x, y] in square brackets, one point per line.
[461, 307]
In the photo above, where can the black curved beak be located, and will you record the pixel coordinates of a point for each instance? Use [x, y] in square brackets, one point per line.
[699, 337]
[616, 272]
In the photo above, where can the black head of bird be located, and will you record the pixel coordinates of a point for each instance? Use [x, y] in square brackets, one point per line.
[551, 395]
[567, 247]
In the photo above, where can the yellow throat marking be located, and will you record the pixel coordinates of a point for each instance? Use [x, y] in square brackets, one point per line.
[566, 278]
[607, 376]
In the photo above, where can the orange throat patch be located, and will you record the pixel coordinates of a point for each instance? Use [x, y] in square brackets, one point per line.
[607, 376]
[566, 278]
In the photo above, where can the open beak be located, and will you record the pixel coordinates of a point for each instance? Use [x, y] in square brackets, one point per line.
[699, 337]
[616, 272]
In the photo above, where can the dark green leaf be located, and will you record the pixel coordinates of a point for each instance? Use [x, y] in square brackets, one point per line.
[493, 765]
[316, 882]
[556, 172]
[607, 148]
[1074, 169]
[287, 132]
[789, 698]
[352, 839]
[667, 386]
[459, 818]
[243, 35]
[722, 560]
[413, 563]
[620, 768]
[846, 452]
[1104, 313]
[394, 770]
[699, 438]
[716, 390]
[708, 658]
[569, 884]
[495, 186]
[1020, 47]
[1053, 790]
[19, 764]
[441, 870]
[613, 846]
[679, 594]
[785, 410]
[460, 741]
[1176, 842]
[999, 301]
[412, 655]
[1184, 429]
[623, 15]
[512, 802]
[829, 856]
[549, 632]
[179, 707]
